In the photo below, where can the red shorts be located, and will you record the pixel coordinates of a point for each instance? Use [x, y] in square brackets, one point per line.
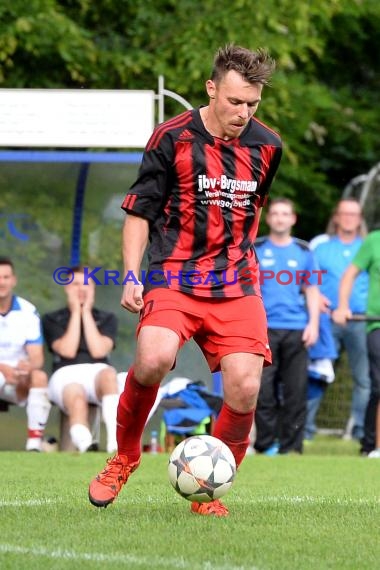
[218, 326]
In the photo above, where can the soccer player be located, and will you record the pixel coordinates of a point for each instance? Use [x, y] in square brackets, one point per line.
[366, 259]
[203, 180]
[289, 284]
[22, 382]
[80, 336]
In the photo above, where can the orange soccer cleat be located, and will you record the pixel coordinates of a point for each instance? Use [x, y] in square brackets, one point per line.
[215, 508]
[106, 486]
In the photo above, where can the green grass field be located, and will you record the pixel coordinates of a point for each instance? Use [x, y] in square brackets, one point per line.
[318, 511]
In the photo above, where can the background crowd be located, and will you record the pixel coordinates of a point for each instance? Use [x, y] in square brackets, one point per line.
[320, 298]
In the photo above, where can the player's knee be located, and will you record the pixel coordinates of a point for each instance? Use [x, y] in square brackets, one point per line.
[250, 391]
[153, 367]
[38, 379]
[107, 380]
[247, 392]
[74, 399]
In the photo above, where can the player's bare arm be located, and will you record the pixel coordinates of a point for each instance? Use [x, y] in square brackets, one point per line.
[311, 332]
[98, 345]
[343, 312]
[35, 354]
[135, 240]
[67, 345]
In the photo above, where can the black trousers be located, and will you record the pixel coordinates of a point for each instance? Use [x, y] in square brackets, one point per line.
[281, 407]
[373, 344]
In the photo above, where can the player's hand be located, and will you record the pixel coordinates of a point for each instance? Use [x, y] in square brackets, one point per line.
[89, 299]
[132, 297]
[324, 304]
[341, 315]
[310, 335]
[10, 374]
[23, 367]
[73, 301]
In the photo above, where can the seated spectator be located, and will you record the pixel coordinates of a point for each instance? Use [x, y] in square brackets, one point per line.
[22, 382]
[81, 337]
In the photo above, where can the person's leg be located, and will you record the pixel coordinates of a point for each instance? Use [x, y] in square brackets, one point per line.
[75, 405]
[37, 409]
[315, 392]
[378, 426]
[235, 340]
[241, 381]
[266, 414]
[355, 343]
[72, 388]
[369, 441]
[36, 402]
[241, 378]
[320, 373]
[375, 454]
[106, 388]
[155, 355]
[168, 320]
[293, 373]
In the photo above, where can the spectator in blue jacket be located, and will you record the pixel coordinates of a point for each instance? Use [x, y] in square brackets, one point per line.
[346, 230]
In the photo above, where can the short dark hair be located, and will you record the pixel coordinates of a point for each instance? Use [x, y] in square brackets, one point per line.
[254, 66]
[282, 200]
[7, 261]
[77, 268]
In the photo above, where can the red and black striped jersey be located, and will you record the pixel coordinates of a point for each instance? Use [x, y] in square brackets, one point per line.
[201, 196]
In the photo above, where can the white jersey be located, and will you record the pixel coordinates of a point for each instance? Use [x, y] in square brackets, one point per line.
[18, 328]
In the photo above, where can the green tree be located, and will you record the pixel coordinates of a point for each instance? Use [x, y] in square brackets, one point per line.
[322, 100]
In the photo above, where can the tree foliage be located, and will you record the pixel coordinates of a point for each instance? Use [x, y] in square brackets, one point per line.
[323, 95]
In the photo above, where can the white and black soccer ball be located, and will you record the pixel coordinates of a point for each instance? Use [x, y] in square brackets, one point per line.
[201, 468]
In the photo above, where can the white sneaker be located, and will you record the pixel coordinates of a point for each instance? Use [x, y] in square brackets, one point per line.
[33, 444]
[375, 454]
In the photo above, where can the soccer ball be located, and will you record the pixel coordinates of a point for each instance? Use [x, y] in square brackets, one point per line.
[201, 468]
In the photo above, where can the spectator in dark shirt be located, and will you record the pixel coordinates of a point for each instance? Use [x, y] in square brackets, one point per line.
[81, 337]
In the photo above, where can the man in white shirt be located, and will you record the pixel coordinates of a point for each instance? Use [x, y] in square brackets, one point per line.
[22, 380]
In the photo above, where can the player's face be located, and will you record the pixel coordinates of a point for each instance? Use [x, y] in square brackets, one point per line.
[348, 216]
[280, 218]
[233, 101]
[7, 281]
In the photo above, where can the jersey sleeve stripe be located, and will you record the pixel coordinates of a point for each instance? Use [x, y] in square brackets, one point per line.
[174, 123]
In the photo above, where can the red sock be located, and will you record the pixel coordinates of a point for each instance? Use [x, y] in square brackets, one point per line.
[133, 410]
[233, 428]
[35, 433]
